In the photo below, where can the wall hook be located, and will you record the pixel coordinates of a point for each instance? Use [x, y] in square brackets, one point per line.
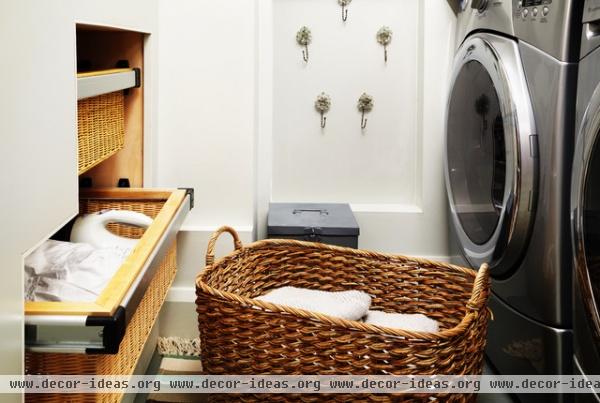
[344, 3]
[304, 38]
[384, 37]
[322, 105]
[365, 104]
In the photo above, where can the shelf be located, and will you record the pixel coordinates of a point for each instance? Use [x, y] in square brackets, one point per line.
[96, 83]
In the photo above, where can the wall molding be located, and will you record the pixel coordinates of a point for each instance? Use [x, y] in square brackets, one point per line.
[386, 208]
[182, 294]
[264, 122]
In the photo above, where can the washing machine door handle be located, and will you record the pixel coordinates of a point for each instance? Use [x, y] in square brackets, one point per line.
[504, 235]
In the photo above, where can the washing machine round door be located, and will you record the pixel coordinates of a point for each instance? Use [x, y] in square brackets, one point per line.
[585, 213]
[491, 153]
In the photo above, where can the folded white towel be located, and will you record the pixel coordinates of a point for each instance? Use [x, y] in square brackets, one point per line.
[351, 305]
[415, 322]
[65, 271]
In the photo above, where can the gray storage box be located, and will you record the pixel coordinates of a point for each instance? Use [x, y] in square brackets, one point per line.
[330, 223]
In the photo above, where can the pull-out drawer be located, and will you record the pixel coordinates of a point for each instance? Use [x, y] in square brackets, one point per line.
[99, 327]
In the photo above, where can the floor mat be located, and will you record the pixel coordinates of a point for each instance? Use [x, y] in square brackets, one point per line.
[179, 357]
[179, 347]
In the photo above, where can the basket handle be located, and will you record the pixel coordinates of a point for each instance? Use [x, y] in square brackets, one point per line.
[480, 288]
[210, 251]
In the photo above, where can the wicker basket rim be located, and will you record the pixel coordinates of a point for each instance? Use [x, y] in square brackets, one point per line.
[475, 304]
[266, 243]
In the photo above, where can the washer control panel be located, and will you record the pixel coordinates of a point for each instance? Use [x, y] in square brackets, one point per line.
[547, 25]
[533, 10]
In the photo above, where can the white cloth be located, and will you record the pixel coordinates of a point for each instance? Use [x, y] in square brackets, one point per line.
[65, 271]
[415, 322]
[351, 305]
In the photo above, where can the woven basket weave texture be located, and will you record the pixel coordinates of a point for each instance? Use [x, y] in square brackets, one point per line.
[100, 128]
[240, 335]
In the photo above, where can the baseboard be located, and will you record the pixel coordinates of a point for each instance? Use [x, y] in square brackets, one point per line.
[182, 294]
[192, 242]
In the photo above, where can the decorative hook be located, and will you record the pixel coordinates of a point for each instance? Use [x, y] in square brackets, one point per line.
[344, 3]
[384, 37]
[304, 37]
[305, 53]
[322, 105]
[365, 104]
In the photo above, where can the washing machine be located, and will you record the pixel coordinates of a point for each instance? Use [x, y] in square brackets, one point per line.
[585, 204]
[510, 129]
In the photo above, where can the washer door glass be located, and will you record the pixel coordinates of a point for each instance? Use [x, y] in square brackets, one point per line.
[476, 152]
[491, 158]
[591, 221]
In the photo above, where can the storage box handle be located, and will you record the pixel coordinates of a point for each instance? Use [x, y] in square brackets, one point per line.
[210, 252]
[310, 210]
[481, 288]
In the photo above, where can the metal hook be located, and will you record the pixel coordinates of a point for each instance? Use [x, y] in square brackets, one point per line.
[305, 53]
[344, 13]
[363, 121]
[323, 121]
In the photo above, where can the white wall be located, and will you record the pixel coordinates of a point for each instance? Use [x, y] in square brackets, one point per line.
[236, 126]
[207, 121]
[343, 163]
[38, 127]
[392, 174]
[423, 233]
[250, 94]
[207, 108]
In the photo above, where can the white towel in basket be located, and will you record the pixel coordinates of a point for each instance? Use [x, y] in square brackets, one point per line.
[66, 271]
[351, 305]
[415, 322]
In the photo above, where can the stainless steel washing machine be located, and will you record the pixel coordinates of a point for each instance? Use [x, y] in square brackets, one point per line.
[585, 203]
[509, 147]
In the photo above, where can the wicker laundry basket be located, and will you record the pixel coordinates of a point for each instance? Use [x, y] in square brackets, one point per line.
[100, 128]
[242, 336]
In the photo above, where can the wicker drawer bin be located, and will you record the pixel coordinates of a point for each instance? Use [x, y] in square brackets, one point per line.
[103, 114]
[156, 248]
[100, 128]
[241, 335]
